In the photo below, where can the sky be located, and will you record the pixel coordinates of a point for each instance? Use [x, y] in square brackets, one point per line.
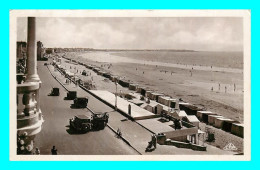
[191, 33]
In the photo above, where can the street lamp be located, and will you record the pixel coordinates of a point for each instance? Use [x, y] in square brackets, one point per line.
[116, 96]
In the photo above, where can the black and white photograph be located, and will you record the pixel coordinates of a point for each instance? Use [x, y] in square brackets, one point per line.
[130, 85]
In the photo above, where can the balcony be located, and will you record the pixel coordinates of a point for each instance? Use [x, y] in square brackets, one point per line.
[29, 116]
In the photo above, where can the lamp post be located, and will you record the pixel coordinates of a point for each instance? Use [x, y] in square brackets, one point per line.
[116, 96]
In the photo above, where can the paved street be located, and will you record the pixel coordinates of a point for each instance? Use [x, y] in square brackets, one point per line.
[55, 130]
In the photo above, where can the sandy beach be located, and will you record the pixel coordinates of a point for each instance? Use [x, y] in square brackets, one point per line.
[217, 89]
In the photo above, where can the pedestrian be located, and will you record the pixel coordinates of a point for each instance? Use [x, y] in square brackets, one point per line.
[212, 88]
[129, 110]
[37, 151]
[119, 133]
[225, 89]
[143, 72]
[234, 87]
[54, 151]
[154, 140]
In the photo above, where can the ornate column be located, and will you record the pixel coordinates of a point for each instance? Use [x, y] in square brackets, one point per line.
[31, 61]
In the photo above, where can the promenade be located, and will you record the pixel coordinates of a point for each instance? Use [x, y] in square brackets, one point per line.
[56, 132]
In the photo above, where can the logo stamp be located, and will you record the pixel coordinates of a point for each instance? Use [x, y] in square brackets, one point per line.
[230, 147]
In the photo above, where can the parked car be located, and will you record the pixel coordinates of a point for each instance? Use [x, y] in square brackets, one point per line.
[55, 91]
[81, 102]
[81, 123]
[99, 120]
[71, 95]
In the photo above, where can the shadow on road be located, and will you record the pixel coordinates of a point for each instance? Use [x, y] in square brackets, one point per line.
[66, 98]
[74, 132]
[72, 106]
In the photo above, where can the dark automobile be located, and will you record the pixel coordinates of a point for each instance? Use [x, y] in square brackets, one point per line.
[81, 123]
[71, 95]
[81, 102]
[99, 120]
[55, 92]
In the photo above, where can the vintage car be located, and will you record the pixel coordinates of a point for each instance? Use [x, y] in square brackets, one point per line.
[99, 120]
[81, 123]
[55, 91]
[80, 102]
[71, 95]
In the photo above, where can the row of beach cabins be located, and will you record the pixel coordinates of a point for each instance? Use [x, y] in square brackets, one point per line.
[160, 103]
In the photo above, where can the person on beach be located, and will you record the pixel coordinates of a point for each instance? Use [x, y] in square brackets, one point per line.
[225, 89]
[234, 87]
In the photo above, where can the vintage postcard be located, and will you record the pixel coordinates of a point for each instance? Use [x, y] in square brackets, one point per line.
[130, 85]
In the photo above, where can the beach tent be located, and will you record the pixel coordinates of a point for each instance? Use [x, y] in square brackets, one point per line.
[133, 86]
[193, 119]
[178, 114]
[237, 129]
[148, 93]
[189, 108]
[164, 100]
[212, 119]
[154, 107]
[227, 125]
[155, 96]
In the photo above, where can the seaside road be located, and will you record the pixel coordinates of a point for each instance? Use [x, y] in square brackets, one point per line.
[132, 132]
[136, 135]
[55, 131]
